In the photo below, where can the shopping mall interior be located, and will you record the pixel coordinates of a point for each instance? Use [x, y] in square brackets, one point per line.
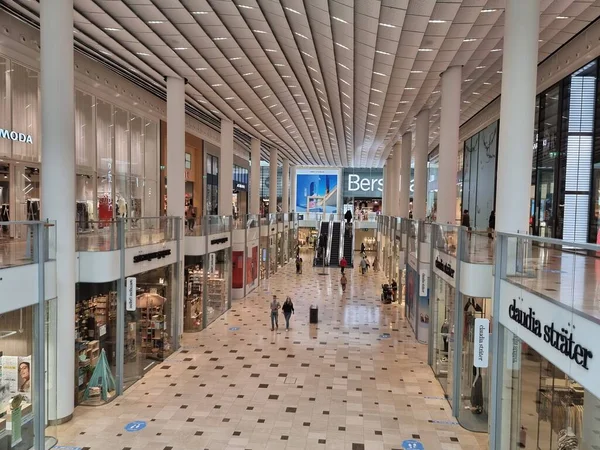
[299, 224]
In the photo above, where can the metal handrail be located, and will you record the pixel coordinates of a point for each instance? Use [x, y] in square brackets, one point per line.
[342, 235]
[327, 255]
[552, 241]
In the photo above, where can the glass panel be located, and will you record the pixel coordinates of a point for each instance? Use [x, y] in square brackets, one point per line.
[85, 144]
[150, 204]
[217, 288]
[122, 202]
[25, 113]
[137, 146]
[121, 121]
[136, 192]
[104, 137]
[151, 151]
[27, 192]
[84, 196]
[5, 118]
[105, 200]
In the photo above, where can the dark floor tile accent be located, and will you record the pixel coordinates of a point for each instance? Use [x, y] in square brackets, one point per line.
[247, 366]
[454, 439]
[273, 397]
[165, 367]
[226, 420]
[326, 413]
[192, 367]
[240, 396]
[284, 438]
[198, 433]
[378, 433]
[290, 410]
[306, 424]
[341, 428]
[183, 406]
[187, 359]
[356, 446]
[255, 375]
[416, 436]
[249, 408]
[217, 406]
[237, 433]
[260, 421]
[263, 386]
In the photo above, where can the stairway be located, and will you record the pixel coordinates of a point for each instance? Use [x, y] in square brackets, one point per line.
[348, 249]
[318, 261]
[334, 254]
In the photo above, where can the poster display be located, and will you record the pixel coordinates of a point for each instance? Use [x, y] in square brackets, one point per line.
[422, 330]
[412, 281]
[317, 190]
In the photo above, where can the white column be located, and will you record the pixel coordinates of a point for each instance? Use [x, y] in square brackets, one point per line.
[385, 195]
[285, 186]
[255, 176]
[395, 195]
[405, 174]
[293, 189]
[517, 107]
[58, 189]
[273, 182]
[449, 124]
[421, 150]
[226, 169]
[175, 147]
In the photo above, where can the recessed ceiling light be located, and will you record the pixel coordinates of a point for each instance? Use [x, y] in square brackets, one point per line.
[403, 102]
[200, 13]
[487, 84]
[219, 39]
[142, 54]
[286, 76]
[200, 68]
[341, 45]
[235, 58]
[345, 67]
[345, 95]
[112, 29]
[469, 40]
[374, 104]
[229, 98]
[381, 52]
[301, 35]
[296, 95]
[468, 79]
[247, 74]
[435, 92]
[416, 71]
[346, 105]
[480, 67]
[338, 19]
[562, 17]
[499, 71]
[258, 86]
[476, 93]
[387, 25]
[216, 85]
[293, 10]
[425, 49]
[380, 74]
[155, 22]
[312, 68]
[377, 90]
[259, 31]
[466, 101]
[437, 21]
[496, 50]
[245, 6]
[488, 10]
[248, 118]
[279, 65]
[273, 106]
[180, 48]
[239, 109]
[409, 89]
[266, 96]
[344, 81]
[284, 120]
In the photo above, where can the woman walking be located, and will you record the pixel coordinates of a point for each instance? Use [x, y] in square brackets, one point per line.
[288, 310]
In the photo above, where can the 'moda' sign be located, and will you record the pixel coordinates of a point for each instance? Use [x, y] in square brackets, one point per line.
[14, 136]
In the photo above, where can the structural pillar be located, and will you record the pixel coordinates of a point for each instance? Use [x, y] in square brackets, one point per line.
[421, 152]
[57, 86]
[285, 187]
[449, 125]
[226, 169]
[404, 202]
[517, 108]
[255, 176]
[273, 182]
[175, 147]
[395, 196]
[386, 183]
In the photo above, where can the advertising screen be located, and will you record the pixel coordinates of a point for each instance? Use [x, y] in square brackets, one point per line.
[317, 189]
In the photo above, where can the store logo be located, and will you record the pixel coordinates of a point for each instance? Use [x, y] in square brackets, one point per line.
[14, 136]
[151, 256]
[219, 241]
[446, 268]
[356, 183]
[561, 340]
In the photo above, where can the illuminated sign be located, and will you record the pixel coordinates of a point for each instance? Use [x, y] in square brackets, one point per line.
[15, 136]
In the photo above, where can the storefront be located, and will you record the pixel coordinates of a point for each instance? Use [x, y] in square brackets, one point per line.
[265, 180]
[116, 153]
[362, 192]
[240, 191]
[432, 184]
[211, 199]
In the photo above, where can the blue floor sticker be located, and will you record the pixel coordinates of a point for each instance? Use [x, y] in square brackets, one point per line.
[384, 335]
[411, 444]
[234, 328]
[66, 448]
[138, 425]
[445, 422]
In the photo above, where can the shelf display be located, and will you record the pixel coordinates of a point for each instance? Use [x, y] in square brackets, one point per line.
[193, 299]
[152, 326]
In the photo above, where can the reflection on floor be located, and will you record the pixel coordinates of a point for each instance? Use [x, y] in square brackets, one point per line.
[357, 380]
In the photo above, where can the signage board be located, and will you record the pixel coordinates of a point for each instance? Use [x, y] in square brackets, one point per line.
[15, 136]
[482, 338]
[363, 183]
[130, 294]
[423, 283]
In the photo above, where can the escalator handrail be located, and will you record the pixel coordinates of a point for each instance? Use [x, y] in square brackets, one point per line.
[329, 238]
[318, 240]
[342, 235]
[353, 244]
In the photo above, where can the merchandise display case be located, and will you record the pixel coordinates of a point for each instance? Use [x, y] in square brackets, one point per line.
[194, 277]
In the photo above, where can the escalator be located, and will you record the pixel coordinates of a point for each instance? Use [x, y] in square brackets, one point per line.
[334, 251]
[323, 234]
[349, 246]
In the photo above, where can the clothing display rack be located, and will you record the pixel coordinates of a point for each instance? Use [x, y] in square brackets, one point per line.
[33, 209]
[83, 215]
[5, 216]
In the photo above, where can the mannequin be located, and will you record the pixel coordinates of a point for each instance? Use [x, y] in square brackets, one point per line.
[444, 330]
[477, 392]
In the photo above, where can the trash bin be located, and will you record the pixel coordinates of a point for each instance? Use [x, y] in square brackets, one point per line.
[314, 314]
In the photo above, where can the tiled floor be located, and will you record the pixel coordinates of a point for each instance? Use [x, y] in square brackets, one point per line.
[357, 380]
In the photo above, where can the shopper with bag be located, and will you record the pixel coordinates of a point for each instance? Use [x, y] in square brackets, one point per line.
[343, 264]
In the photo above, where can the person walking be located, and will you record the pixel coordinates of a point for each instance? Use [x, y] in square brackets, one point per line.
[275, 307]
[376, 264]
[465, 220]
[343, 264]
[300, 265]
[288, 310]
[492, 224]
[343, 282]
[362, 248]
[363, 265]
[348, 216]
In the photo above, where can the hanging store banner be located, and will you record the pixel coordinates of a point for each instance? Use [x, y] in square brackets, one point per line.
[130, 295]
[482, 338]
[363, 183]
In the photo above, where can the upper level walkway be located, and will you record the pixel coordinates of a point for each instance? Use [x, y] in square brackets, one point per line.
[357, 380]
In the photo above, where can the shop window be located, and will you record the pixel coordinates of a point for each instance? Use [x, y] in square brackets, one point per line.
[104, 138]
[121, 121]
[188, 161]
[136, 146]
[85, 139]
[5, 118]
[25, 112]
